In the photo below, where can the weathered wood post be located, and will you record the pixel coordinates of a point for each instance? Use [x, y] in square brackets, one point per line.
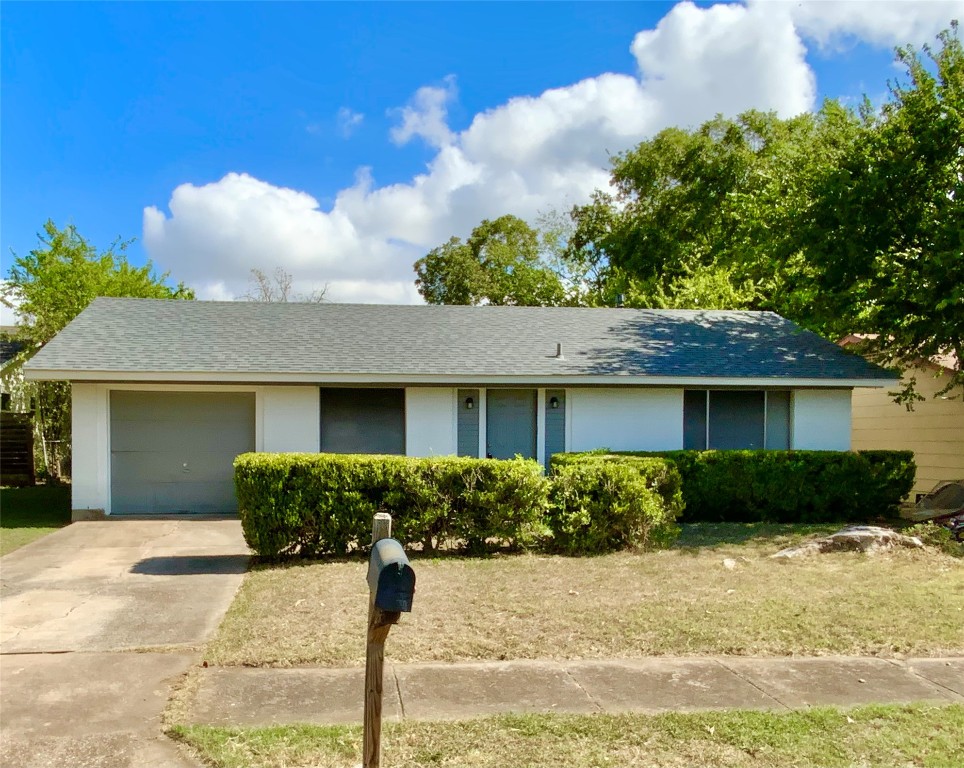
[391, 583]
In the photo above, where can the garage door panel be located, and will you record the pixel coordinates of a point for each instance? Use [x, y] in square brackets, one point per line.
[176, 436]
[198, 498]
[174, 452]
[169, 467]
[192, 407]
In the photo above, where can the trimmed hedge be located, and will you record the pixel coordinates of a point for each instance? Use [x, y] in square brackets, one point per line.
[782, 486]
[313, 504]
[601, 504]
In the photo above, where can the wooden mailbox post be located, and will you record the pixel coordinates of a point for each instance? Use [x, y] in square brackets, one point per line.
[391, 583]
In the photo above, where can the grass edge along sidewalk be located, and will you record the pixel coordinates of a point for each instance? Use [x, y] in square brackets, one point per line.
[878, 736]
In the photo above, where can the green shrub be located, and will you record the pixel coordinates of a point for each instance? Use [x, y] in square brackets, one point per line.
[312, 504]
[604, 503]
[937, 536]
[786, 486]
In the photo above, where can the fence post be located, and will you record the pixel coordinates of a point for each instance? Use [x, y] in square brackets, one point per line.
[379, 623]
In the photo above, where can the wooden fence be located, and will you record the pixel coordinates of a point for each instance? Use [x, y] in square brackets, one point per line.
[16, 448]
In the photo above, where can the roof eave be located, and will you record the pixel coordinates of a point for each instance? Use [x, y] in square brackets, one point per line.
[261, 377]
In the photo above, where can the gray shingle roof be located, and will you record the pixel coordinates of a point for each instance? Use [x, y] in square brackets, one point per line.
[147, 335]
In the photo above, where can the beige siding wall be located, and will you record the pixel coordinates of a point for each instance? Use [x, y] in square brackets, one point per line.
[934, 430]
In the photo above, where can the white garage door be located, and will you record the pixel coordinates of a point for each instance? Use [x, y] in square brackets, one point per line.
[172, 452]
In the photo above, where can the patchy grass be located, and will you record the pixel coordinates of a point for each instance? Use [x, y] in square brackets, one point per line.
[27, 514]
[682, 601]
[884, 736]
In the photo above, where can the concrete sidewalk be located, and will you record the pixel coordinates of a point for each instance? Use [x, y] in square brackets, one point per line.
[250, 697]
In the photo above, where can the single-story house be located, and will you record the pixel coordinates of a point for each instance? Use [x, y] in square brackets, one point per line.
[933, 430]
[167, 393]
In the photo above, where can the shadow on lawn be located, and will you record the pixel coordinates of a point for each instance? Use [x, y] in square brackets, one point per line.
[696, 536]
[693, 538]
[414, 552]
[39, 506]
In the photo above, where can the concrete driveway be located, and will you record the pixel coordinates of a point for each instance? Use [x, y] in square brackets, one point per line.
[75, 605]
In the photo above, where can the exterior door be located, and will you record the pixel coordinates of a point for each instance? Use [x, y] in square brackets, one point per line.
[510, 423]
[173, 452]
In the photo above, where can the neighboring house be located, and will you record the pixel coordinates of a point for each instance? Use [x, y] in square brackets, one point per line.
[167, 393]
[934, 430]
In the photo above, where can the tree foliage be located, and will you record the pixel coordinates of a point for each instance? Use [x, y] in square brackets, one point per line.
[842, 221]
[499, 264]
[51, 285]
[885, 236]
[278, 287]
[705, 218]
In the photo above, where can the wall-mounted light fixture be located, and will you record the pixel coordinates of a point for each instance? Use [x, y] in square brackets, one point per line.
[469, 403]
[553, 402]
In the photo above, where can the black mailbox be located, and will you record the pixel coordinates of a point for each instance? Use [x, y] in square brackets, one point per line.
[390, 577]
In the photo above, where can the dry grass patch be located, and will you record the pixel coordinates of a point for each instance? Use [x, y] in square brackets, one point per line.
[873, 737]
[683, 601]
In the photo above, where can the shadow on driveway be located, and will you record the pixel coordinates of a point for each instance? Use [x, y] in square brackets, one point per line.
[191, 565]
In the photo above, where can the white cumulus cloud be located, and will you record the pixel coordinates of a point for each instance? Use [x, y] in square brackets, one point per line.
[427, 115]
[880, 22]
[528, 155]
[726, 58]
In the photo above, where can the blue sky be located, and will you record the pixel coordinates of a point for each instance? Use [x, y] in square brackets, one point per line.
[340, 141]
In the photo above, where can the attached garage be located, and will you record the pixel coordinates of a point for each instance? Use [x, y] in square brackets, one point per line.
[172, 452]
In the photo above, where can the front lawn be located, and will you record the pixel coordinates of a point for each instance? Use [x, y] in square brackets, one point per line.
[716, 592]
[27, 514]
[883, 736]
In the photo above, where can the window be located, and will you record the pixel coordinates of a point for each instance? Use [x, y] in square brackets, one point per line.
[362, 420]
[736, 419]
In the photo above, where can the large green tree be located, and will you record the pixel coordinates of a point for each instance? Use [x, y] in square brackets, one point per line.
[843, 221]
[705, 218]
[500, 264]
[50, 286]
[884, 238]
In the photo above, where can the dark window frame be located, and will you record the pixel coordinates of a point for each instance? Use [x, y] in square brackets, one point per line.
[344, 395]
[705, 420]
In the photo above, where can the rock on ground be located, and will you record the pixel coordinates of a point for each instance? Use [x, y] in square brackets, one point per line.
[858, 538]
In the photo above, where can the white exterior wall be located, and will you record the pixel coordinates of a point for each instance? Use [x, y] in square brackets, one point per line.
[820, 419]
[90, 459]
[624, 419]
[430, 421]
[289, 419]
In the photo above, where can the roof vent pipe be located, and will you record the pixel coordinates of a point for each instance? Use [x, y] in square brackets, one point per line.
[559, 355]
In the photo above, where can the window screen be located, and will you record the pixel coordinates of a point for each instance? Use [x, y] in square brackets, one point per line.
[736, 420]
[362, 420]
[778, 421]
[694, 419]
